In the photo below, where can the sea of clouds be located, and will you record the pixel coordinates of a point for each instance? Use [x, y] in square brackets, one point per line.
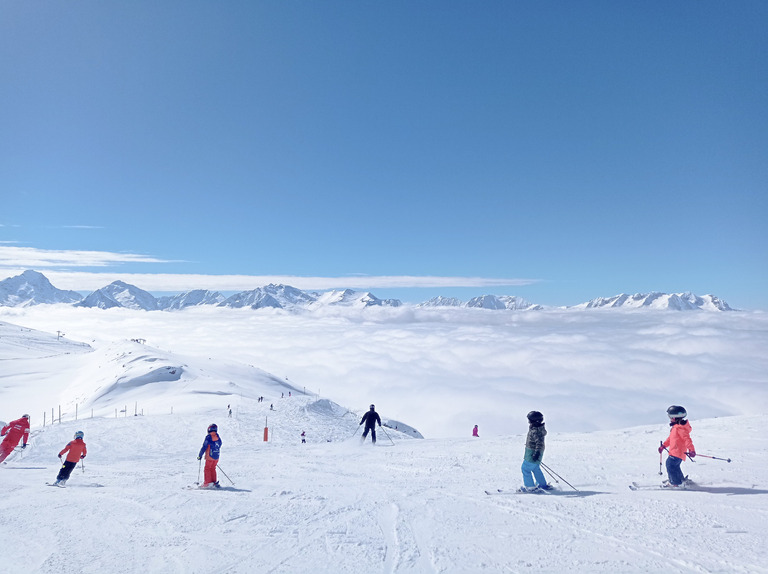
[445, 370]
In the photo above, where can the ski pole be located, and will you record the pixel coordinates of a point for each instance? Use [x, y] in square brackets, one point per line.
[552, 476]
[387, 434]
[357, 429]
[82, 465]
[661, 454]
[225, 474]
[714, 457]
[199, 467]
[558, 476]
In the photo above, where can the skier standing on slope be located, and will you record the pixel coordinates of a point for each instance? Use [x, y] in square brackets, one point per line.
[534, 452]
[211, 447]
[13, 432]
[679, 443]
[77, 452]
[370, 419]
[475, 432]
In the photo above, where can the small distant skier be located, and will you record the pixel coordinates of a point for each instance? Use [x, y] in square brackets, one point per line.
[272, 407]
[534, 452]
[76, 452]
[679, 443]
[370, 419]
[211, 448]
[475, 432]
[303, 437]
[230, 413]
[13, 432]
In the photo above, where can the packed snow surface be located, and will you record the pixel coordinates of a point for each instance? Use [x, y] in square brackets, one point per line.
[405, 505]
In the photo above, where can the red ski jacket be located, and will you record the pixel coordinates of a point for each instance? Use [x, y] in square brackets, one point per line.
[76, 450]
[16, 430]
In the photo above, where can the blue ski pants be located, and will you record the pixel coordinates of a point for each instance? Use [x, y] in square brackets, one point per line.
[531, 470]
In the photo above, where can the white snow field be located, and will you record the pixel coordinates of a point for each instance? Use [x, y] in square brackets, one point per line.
[406, 505]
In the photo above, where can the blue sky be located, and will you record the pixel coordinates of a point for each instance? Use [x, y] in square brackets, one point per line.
[558, 151]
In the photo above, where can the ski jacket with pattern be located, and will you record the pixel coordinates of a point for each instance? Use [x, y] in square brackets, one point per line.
[211, 446]
[534, 443]
[370, 419]
[76, 450]
[16, 430]
[679, 440]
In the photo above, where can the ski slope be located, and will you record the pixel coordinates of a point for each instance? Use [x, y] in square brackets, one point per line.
[333, 505]
[417, 506]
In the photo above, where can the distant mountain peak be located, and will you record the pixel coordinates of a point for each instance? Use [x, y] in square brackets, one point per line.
[33, 288]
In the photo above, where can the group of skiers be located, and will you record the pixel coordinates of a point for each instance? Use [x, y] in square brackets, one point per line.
[678, 444]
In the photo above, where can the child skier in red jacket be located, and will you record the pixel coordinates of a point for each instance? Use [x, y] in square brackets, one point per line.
[77, 452]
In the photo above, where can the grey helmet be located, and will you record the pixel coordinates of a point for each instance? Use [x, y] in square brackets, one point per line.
[676, 412]
[79, 434]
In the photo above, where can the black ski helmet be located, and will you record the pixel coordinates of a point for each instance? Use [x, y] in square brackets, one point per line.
[373, 407]
[213, 427]
[676, 412]
[535, 417]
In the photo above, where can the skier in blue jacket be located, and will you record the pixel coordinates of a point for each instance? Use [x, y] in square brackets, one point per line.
[211, 447]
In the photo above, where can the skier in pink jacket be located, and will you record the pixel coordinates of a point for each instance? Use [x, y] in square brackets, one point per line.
[679, 443]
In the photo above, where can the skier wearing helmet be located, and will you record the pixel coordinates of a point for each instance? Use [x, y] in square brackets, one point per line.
[77, 452]
[679, 443]
[211, 447]
[370, 419]
[534, 452]
[13, 432]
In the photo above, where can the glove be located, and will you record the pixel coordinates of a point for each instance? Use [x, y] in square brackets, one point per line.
[536, 457]
[23, 446]
[59, 457]
[82, 456]
[661, 449]
[199, 458]
[692, 453]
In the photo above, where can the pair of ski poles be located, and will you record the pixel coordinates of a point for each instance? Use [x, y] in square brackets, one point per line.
[218, 467]
[553, 474]
[661, 454]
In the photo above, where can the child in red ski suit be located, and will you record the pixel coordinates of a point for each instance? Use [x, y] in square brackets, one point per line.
[13, 432]
[211, 447]
[77, 452]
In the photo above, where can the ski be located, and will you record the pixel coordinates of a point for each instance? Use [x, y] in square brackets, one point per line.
[54, 484]
[500, 491]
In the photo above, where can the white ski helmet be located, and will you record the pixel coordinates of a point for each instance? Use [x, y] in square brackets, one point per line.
[676, 412]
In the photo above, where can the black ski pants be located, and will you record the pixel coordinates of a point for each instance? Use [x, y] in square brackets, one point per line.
[66, 470]
[373, 433]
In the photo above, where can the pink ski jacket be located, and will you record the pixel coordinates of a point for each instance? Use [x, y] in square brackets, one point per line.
[679, 440]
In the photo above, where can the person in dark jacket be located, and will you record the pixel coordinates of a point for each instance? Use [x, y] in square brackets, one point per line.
[534, 452]
[370, 419]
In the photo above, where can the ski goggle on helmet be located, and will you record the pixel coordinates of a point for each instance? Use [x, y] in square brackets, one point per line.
[213, 428]
[79, 434]
[676, 412]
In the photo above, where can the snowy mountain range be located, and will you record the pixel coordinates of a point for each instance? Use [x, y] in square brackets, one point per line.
[33, 288]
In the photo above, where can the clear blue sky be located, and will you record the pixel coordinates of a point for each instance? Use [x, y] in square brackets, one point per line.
[595, 147]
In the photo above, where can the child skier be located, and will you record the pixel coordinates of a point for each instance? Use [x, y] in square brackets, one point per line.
[13, 432]
[534, 452]
[679, 443]
[77, 452]
[211, 447]
[475, 432]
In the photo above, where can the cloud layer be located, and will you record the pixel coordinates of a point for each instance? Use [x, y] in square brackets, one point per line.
[444, 371]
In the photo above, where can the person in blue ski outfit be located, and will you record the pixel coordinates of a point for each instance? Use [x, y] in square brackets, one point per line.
[211, 448]
[534, 452]
[370, 419]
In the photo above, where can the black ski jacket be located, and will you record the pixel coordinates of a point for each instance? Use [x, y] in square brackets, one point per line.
[370, 419]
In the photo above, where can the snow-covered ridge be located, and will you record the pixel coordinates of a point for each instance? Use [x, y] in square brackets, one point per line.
[33, 288]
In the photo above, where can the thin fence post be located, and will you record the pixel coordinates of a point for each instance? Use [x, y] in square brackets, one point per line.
[75, 411]
[59, 414]
[43, 418]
